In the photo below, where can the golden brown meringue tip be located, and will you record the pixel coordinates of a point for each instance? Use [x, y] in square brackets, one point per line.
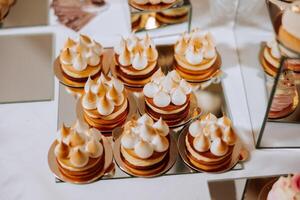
[94, 148]
[224, 121]
[113, 93]
[69, 43]
[214, 131]
[76, 139]
[91, 96]
[65, 131]
[101, 91]
[85, 39]
[61, 150]
[65, 56]
[78, 158]
[229, 136]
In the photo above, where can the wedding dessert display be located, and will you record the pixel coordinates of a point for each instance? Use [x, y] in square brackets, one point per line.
[105, 103]
[79, 60]
[167, 97]
[80, 152]
[285, 98]
[197, 59]
[289, 31]
[75, 14]
[210, 142]
[145, 145]
[5, 6]
[270, 58]
[286, 188]
[136, 60]
[152, 4]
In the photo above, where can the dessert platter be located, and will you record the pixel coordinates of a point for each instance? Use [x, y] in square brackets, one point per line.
[140, 105]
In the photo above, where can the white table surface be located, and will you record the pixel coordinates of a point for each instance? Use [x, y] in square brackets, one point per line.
[28, 129]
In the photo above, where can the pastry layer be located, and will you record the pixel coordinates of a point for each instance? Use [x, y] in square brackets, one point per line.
[280, 114]
[89, 71]
[204, 65]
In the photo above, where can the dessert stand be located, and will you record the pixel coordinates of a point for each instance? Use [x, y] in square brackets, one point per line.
[149, 20]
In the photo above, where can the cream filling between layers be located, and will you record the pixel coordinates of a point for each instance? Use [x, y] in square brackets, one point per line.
[181, 61]
[274, 62]
[198, 156]
[114, 114]
[141, 162]
[166, 112]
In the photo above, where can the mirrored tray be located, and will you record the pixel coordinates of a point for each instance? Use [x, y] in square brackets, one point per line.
[67, 112]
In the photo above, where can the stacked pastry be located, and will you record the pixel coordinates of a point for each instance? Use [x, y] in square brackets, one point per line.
[210, 142]
[79, 152]
[105, 103]
[173, 16]
[289, 31]
[5, 6]
[286, 188]
[285, 93]
[167, 96]
[196, 56]
[270, 58]
[152, 4]
[79, 60]
[136, 60]
[145, 145]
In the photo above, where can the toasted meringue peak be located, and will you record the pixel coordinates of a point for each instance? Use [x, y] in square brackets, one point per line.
[174, 76]
[80, 126]
[211, 118]
[66, 57]
[224, 121]
[139, 61]
[160, 143]
[161, 127]
[95, 134]
[129, 140]
[152, 53]
[195, 128]
[79, 63]
[82, 50]
[146, 132]
[104, 106]
[69, 43]
[145, 119]
[162, 99]
[213, 130]
[150, 89]
[185, 86]
[218, 147]
[194, 56]
[93, 59]
[120, 47]
[158, 76]
[89, 100]
[65, 131]
[94, 148]
[61, 150]
[85, 40]
[89, 83]
[178, 97]
[209, 51]
[78, 158]
[101, 90]
[115, 96]
[125, 57]
[229, 136]
[181, 44]
[143, 149]
[201, 143]
[76, 139]
[117, 84]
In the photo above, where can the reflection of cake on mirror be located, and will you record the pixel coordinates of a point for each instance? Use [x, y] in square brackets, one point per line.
[5, 6]
[136, 60]
[210, 142]
[285, 98]
[145, 145]
[105, 103]
[173, 16]
[196, 56]
[151, 4]
[289, 31]
[75, 14]
[79, 60]
[270, 58]
[286, 188]
[79, 152]
[167, 96]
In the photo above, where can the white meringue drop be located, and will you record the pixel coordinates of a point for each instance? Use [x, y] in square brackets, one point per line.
[143, 149]
[160, 143]
[195, 128]
[161, 127]
[178, 97]
[150, 89]
[162, 99]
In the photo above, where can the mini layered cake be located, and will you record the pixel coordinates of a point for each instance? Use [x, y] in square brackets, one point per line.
[79, 152]
[270, 58]
[79, 60]
[286, 188]
[136, 60]
[5, 6]
[210, 142]
[289, 31]
[105, 103]
[196, 56]
[152, 4]
[167, 96]
[145, 145]
[283, 99]
[173, 16]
